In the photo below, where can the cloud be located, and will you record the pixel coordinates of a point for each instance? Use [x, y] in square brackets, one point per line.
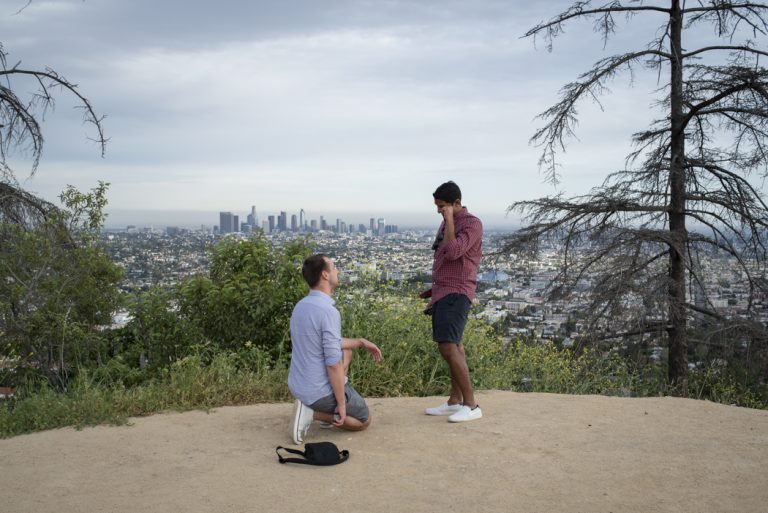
[334, 105]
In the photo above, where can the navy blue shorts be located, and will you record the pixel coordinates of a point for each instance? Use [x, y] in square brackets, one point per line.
[449, 317]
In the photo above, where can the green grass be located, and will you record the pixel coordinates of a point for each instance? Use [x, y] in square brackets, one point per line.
[188, 384]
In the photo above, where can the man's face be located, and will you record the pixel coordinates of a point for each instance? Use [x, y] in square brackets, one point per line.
[333, 273]
[440, 204]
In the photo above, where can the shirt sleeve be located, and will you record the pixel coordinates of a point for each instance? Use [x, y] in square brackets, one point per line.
[466, 237]
[332, 338]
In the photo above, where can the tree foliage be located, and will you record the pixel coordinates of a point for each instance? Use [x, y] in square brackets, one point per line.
[245, 301]
[691, 189]
[57, 288]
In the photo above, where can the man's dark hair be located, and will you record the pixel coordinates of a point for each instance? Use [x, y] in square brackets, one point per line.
[313, 267]
[448, 192]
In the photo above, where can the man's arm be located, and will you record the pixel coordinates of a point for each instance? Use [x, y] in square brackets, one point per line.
[459, 243]
[352, 343]
[449, 231]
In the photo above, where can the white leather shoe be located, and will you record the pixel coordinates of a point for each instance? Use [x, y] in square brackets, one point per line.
[443, 409]
[466, 414]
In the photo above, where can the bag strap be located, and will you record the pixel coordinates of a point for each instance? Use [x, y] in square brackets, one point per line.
[291, 460]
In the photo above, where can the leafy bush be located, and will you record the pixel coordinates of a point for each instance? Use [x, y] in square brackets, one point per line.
[249, 295]
[413, 366]
[157, 334]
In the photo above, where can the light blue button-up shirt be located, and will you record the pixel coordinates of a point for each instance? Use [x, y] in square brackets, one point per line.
[316, 341]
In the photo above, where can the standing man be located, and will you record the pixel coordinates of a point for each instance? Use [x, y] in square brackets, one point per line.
[320, 357]
[458, 248]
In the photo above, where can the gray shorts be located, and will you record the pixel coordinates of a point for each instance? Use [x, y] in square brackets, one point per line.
[356, 406]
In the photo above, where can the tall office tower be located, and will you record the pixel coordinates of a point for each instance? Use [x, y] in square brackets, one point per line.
[373, 225]
[264, 227]
[235, 223]
[271, 224]
[342, 227]
[361, 228]
[254, 217]
[381, 229]
[226, 222]
[282, 222]
[313, 225]
[338, 225]
[294, 223]
[323, 225]
[302, 221]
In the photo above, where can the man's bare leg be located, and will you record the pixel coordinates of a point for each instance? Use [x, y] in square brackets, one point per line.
[350, 423]
[461, 385]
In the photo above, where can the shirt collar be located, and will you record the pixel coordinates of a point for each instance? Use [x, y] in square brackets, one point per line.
[322, 295]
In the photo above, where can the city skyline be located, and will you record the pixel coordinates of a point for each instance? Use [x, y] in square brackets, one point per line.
[193, 219]
[229, 223]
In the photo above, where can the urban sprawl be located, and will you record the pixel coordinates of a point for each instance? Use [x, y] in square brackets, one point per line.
[511, 291]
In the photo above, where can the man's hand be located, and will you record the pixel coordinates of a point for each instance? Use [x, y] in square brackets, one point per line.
[371, 348]
[340, 416]
[447, 213]
[426, 294]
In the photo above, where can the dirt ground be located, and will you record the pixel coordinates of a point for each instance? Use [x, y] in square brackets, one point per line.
[530, 453]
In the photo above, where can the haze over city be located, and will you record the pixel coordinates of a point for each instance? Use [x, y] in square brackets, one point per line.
[345, 108]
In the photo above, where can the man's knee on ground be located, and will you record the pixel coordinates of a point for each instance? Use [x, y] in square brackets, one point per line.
[357, 425]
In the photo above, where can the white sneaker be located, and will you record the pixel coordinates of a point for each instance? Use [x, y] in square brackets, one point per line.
[302, 419]
[465, 414]
[443, 409]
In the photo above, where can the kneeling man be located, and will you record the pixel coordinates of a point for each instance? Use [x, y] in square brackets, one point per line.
[320, 357]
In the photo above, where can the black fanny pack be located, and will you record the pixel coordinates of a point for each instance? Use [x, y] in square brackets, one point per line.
[319, 453]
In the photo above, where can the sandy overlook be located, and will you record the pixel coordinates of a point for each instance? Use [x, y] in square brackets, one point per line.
[530, 453]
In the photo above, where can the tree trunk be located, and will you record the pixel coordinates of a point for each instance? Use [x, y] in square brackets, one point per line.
[678, 340]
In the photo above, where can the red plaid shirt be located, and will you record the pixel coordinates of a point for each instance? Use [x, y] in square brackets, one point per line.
[455, 265]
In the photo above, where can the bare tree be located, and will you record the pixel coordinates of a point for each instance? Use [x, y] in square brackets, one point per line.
[691, 188]
[26, 95]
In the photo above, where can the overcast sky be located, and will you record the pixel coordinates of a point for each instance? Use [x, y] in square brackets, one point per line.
[357, 108]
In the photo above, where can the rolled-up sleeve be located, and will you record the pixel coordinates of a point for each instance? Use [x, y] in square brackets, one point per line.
[331, 329]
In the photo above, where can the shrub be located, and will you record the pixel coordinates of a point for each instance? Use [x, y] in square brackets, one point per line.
[249, 295]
